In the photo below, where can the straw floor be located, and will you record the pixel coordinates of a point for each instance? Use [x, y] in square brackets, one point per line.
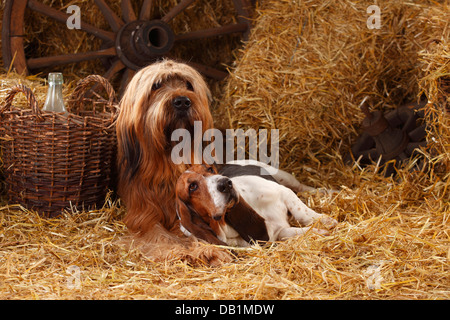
[393, 239]
[384, 251]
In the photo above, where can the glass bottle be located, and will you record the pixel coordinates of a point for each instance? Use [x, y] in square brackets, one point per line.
[54, 101]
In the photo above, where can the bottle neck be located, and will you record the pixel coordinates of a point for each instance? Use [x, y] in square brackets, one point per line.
[55, 89]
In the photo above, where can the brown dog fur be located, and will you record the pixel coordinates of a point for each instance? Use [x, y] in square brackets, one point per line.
[147, 174]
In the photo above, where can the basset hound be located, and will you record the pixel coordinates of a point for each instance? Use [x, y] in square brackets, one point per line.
[241, 209]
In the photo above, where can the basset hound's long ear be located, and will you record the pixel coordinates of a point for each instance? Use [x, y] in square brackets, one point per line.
[193, 223]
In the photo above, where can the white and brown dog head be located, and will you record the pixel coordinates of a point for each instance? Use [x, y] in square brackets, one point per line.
[202, 199]
[211, 208]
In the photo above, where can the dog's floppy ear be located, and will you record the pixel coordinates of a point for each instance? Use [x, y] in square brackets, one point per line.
[131, 151]
[193, 223]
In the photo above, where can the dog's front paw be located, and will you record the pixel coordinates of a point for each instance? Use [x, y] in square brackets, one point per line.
[203, 254]
[328, 222]
[322, 232]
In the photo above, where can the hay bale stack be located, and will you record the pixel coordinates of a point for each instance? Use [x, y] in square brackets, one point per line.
[309, 64]
[436, 85]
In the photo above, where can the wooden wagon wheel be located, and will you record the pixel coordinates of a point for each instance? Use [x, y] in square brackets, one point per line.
[133, 38]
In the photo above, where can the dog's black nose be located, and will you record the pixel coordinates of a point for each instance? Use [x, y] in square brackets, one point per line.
[181, 103]
[225, 185]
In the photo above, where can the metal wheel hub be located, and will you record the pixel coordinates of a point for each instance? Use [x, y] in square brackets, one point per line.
[140, 42]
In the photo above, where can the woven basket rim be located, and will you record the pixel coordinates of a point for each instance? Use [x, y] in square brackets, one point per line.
[76, 100]
[52, 158]
[19, 114]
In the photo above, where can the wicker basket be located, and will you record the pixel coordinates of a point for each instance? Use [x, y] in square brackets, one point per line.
[53, 161]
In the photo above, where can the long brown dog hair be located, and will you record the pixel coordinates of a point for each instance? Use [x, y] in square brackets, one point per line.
[147, 174]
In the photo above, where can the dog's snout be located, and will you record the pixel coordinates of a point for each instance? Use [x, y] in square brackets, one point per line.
[217, 218]
[225, 185]
[181, 103]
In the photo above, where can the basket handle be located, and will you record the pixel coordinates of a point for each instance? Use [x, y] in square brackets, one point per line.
[30, 98]
[81, 91]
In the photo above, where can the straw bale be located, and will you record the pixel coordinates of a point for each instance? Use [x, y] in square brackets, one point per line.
[436, 85]
[309, 65]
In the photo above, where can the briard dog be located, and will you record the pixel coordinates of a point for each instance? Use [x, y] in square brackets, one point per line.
[160, 98]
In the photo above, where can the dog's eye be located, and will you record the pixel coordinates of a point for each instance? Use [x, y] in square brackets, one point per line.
[193, 186]
[189, 86]
[210, 169]
[156, 86]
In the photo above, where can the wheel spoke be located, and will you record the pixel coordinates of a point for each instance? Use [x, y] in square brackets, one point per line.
[176, 10]
[145, 10]
[243, 8]
[206, 33]
[52, 61]
[127, 11]
[116, 67]
[209, 71]
[62, 18]
[114, 21]
[126, 77]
